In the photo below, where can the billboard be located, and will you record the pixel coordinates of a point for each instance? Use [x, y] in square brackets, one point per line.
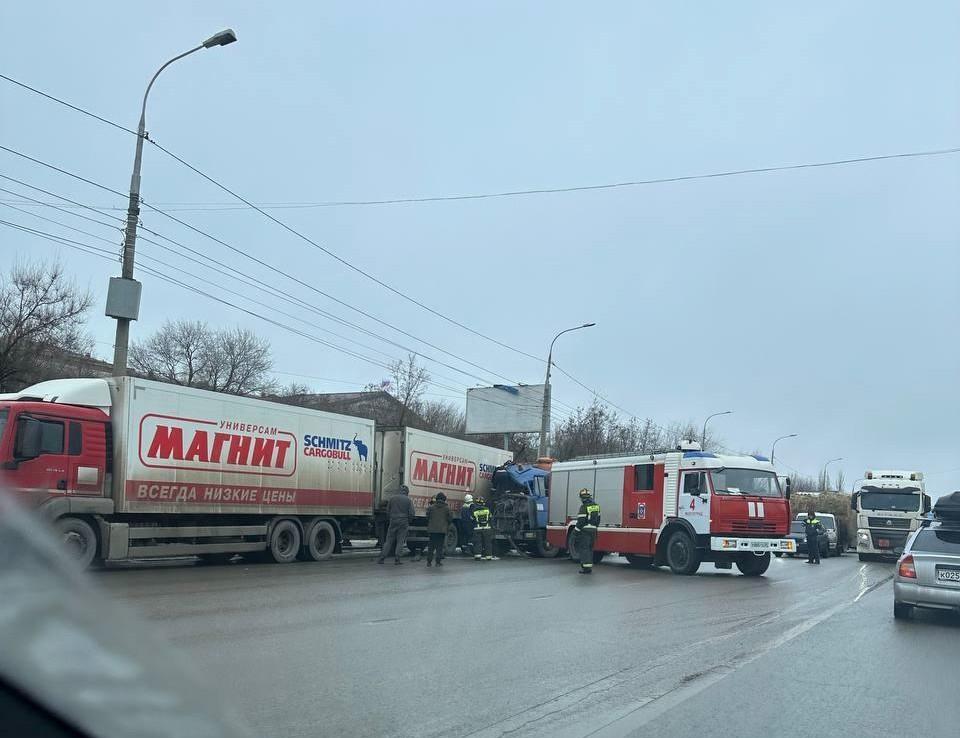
[505, 409]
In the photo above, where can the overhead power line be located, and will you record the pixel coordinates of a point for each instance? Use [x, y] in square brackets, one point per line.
[352, 307]
[109, 255]
[288, 228]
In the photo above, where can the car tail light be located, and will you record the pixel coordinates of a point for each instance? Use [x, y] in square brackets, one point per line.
[906, 568]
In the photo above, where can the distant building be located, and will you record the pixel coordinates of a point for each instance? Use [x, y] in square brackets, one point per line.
[381, 406]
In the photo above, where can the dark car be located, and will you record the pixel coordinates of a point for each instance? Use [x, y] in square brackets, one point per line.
[798, 534]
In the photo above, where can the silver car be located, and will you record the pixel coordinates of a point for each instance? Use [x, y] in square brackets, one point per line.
[928, 572]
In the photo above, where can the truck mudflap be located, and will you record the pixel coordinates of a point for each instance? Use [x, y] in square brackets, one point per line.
[780, 545]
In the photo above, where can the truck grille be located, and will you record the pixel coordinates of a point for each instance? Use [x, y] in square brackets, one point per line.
[752, 526]
[894, 539]
[889, 523]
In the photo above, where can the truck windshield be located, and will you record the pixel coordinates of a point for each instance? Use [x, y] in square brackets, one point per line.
[906, 501]
[751, 482]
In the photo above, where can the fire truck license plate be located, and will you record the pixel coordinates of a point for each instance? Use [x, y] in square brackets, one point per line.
[758, 544]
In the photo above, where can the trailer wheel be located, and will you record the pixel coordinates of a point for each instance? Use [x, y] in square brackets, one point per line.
[284, 543]
[751, 565]
[641, 562]
[682, 554]
[79, 540]
[543, 549]
[321, 541]
[452, 540]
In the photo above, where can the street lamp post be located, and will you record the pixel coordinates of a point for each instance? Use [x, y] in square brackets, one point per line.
[125, 286]
[826, 482]
[774, 448]
[545, 416]
[703, 436]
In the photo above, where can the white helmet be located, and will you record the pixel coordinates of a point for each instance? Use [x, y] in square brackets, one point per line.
[468, 499]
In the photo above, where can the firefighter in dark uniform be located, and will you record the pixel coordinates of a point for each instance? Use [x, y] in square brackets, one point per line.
[814, 529]
[482, 532]
[588, 519]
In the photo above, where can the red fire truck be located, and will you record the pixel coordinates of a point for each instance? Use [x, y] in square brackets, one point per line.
[678, 508]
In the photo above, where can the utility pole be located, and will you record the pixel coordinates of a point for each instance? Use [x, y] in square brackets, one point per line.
[123, 298]
[545, 416]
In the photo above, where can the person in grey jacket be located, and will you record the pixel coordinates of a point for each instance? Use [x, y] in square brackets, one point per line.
[401, 513]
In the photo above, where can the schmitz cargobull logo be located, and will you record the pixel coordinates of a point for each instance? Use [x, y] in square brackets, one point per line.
[443, 472]
[233, 446]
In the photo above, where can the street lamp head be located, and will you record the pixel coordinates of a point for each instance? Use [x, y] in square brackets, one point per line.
[588, 325]
[226, 36]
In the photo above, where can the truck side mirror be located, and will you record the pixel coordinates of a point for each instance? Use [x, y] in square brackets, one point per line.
[786, 490]
[853, 500]
[27, 443]
[927, 504]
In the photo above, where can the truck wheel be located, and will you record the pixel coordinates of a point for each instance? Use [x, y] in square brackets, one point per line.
[640, 562]
[598, 556]
[751, 565]
[284, 543]
[543, 549]
[321, 541]
[452, 540]
[572, 545]
[79, 540]
[682, 554]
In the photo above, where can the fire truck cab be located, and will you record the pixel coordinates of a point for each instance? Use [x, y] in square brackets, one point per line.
[678, 508]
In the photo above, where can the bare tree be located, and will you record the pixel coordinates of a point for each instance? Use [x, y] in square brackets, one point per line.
[191, 354]
[410, 380]
[442, 417]
[841, 480]
[239, 362]
[42, 317]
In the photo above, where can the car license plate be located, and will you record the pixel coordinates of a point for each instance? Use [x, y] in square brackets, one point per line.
[948, 575]
[883, 543]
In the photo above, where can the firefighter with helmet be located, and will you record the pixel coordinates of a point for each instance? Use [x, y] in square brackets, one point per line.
[588, 520]
[482, 532]
[467, 524]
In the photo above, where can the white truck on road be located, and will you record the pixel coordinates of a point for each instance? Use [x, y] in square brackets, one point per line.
[889, 505]
[128, 468]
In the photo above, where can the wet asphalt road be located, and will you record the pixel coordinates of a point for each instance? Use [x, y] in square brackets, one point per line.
[523, 647]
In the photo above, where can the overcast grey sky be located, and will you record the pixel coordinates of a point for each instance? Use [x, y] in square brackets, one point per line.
[822, 302]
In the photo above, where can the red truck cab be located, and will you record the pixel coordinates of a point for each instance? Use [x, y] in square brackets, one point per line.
[50, 451]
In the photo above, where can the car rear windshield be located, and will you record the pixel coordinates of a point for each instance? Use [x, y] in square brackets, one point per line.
[937, 541]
